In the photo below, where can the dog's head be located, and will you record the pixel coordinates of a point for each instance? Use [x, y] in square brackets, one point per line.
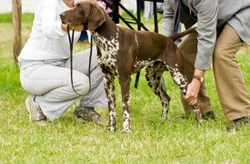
[87, 13]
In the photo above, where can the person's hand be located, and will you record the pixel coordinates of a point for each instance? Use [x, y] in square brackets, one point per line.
[72, 27]
[76, 27]
[192, 92]
[194, 87]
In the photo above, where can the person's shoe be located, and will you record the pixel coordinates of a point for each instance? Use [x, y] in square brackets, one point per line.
[209, 115]
[88, 114]
[35, 111]
[238, 123]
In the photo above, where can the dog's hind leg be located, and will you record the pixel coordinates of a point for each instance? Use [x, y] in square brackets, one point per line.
[182, 83]
[153, 75]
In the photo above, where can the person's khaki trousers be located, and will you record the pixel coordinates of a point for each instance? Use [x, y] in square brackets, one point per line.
[230, 85]
[188, 47]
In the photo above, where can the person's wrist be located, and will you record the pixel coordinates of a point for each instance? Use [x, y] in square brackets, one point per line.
[198, 75]
[199, 78]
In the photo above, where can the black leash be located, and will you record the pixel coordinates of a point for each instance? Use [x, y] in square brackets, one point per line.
[71, 43]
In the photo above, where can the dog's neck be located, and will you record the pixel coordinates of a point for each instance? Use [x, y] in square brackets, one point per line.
[106, 38]
[108, 28]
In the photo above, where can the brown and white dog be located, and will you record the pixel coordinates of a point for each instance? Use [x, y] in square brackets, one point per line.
[122, 52]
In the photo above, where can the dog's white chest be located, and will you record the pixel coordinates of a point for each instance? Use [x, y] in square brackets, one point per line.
[109, 49]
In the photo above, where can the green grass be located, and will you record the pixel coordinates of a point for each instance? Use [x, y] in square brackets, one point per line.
[7, 17]
[153, 140]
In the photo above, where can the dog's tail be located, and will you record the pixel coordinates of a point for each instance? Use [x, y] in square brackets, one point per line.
[176, 36]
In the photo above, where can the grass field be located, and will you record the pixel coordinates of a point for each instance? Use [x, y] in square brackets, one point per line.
[153, 141]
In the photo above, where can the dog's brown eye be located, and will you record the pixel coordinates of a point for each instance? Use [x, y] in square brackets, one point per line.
[78, 6]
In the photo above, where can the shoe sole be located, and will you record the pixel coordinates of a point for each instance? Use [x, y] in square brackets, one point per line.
[28, 107]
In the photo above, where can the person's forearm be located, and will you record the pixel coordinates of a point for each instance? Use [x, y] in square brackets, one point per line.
[199, 72]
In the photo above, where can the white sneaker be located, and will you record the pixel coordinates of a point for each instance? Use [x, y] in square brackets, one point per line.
[35, 111]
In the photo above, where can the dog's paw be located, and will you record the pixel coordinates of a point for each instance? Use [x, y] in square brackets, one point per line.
[164, 117]
[127, 130]
[111, 128]
[200, 121]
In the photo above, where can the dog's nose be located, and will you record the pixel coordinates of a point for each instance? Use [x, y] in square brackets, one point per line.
[62, 15]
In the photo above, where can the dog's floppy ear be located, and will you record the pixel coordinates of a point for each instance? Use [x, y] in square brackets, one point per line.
[96, 18]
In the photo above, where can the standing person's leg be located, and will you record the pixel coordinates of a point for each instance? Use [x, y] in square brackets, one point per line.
[230, 83]
[188, 47]
[96, 97]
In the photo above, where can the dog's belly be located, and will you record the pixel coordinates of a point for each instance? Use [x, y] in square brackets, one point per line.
[138, 65]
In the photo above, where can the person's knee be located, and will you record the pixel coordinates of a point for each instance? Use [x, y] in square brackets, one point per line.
[82, 85]
[219, 53]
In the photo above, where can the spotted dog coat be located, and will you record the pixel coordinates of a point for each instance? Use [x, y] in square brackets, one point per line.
[122, 52]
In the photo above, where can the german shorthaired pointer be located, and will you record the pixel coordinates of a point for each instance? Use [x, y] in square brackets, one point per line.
[122, 52]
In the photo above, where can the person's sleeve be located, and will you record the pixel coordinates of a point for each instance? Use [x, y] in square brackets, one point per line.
[206, 29]
[51, 27]
[168, 19]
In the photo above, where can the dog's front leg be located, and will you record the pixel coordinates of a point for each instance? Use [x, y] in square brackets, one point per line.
[126, 126]
[110, 92]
